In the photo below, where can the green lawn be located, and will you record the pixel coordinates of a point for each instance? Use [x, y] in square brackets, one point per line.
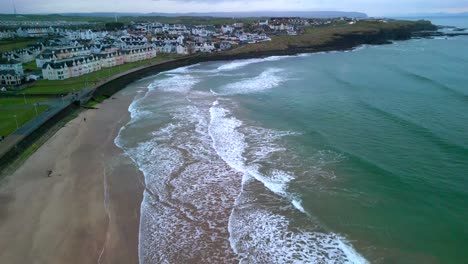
[23, 115]
[85, 81]
[9, 45]
[18, 101]
[31, 65]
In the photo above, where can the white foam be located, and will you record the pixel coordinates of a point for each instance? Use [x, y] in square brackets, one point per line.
[185, 69]
[259, 236]
[195, 134]
[193, 208]
[298, 205]
[264, 237]
[179, 83]
[227, 141]
[234, 65]
[265, 81]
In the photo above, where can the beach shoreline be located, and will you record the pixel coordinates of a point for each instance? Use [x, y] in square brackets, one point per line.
[88, 210]
[77, 199]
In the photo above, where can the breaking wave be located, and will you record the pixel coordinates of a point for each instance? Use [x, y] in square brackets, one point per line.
[265, 81]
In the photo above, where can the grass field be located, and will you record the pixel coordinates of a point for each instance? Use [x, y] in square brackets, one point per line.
[318, 36]
[23, 115]
[9, 45]
[31, 65]
[7, 119]
[85, 81]
[19, 101]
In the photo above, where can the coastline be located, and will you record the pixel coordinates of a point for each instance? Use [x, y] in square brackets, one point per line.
[87, 211]
[71, 216]
[337, 42]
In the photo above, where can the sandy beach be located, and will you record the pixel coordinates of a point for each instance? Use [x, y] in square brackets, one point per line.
[87, 209]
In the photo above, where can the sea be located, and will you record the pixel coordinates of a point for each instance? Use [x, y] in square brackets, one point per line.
[338, 157]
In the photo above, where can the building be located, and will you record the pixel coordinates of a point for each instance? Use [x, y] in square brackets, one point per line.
[133, 55]
[70, 68]
[55, 71]
[10, 77]
[111, 59]
[33, 32]
[7, 34]
[24, 55]
[181, 49]
[226, 29]
[225, 45]
[11, 64]
[60, 53]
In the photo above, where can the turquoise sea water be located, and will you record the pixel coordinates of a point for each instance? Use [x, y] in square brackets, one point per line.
[344, 157]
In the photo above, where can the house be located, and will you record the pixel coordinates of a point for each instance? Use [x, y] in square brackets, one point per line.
[227, 29]
[56, 71]
[24, 55]
[225, 45]
[181, 49]
[32, 32]
[131, 42]
[60, 53]
[139, 54]
[45, 57]
[70, 68]
[169, 48]
[10, 77]
[7, 34]
[111, 59]
[180, 40]
[207, 47]
[238, 25]
[11, 64]
[203, 31]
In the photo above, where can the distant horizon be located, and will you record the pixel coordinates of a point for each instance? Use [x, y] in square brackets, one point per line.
[373, 8]
[237, 14]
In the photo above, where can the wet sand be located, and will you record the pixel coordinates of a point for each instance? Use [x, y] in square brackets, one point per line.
[87, 210]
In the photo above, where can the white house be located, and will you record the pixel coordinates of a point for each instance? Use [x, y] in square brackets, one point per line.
[181, 49]
[24, 55]
[133, 55]
[207, 47]
[10, 77]
[55, 71]
[6, 34]
[111, 59]
[70, 68]
[227, 29]
[225, 45]
[11, 64]
[180, 39]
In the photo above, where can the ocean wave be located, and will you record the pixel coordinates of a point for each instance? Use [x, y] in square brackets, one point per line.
[237, 64]
[189, 190]
[265, 81]
[259, 236]
[264, 237]
[178, 83]
[185, 69]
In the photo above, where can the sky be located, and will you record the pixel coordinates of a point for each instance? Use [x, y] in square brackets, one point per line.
[371, 7]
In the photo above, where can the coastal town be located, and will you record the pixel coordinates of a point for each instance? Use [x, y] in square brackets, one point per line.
[60, 52]
[49, 65]
[204, 131]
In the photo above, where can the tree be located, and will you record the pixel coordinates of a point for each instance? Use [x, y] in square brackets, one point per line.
[114, 26]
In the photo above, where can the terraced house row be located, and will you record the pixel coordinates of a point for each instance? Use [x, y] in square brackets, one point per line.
[77, 66]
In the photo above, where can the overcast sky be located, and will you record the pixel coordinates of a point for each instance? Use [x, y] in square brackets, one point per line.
[371, 7]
